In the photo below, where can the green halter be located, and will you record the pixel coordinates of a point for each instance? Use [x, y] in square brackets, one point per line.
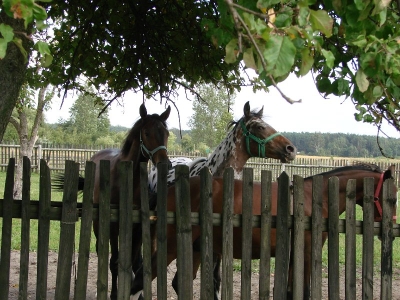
[261, 143]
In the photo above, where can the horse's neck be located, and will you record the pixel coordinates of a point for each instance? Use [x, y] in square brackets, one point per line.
[343, 183]
[228, 154]
[136, 157]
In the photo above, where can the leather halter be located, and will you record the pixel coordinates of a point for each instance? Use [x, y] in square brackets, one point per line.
[378, 205]
[149, 153]
[261, 143]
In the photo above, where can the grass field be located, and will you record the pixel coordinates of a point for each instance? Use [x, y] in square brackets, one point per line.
[55, 231]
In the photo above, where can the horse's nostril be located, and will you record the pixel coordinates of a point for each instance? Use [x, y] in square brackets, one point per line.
[290, 149]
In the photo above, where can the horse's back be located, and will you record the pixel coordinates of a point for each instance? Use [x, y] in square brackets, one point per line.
[105, 154]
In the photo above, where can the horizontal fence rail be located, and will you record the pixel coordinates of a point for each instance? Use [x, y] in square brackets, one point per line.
[56, 157]
[289, 222]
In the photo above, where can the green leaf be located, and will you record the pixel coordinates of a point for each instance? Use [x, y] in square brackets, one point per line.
[368, 118]
[330, 58]
[320, 20]
[267, 3]
[324, 85]
[303, 15]
[248, 58]
[279, 54]
[7, 32]
[283, 20]
[382, 17]
[230, 50]
[3, 48]
[358, 116]
[361, 4]
[377, 92]
[362, 81]
[360, 41]
[39, 13]
[43, 48]
[307, 62]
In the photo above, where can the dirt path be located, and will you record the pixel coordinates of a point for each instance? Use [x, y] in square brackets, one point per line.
[14, 280]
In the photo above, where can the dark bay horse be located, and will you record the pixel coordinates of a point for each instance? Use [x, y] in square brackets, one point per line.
[357, 172]
[250, 136]
[147, 140]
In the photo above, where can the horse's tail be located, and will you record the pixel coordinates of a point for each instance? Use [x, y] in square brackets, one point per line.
[58, 182]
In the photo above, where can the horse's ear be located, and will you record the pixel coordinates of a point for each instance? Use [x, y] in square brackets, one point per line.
[143, 111]
[389, 173]
[164, 116]
[261, 111]
[246, 109]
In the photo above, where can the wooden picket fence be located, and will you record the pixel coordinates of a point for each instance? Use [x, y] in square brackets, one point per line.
[303, 166]
[69, 212]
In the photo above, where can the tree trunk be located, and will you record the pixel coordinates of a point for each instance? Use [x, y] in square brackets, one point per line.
[12, 70]
[27, 142]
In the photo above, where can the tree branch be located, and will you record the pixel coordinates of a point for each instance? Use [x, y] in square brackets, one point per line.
[239, 24]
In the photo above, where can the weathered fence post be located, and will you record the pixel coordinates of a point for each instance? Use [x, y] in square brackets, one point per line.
[227, 236]
[206, 223]
[146, 232]
[350, 240]
[43, 231]
[162, 171]
[388, 205]
[265, 255]
[86, 231]
[103, 240]
[282, 254]
[184, 259]
[368, 240]
[25, 228]
[247, 218]
[316, 238]
[6, 231]
[333, 238]
[125, 229]
[298, 237]
[67, 231]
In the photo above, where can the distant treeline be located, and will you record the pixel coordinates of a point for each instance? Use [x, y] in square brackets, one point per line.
[345, 145]
[331, 144]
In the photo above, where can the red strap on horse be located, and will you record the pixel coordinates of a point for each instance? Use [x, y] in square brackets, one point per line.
[376, 197]
[376, 200]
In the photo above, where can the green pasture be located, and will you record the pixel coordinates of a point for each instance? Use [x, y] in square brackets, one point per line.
[55, 233]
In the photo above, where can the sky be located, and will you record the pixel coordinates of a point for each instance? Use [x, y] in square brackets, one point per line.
[313, 114]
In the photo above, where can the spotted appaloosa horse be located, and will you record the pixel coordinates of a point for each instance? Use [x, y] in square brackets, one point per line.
[147, 140]
[249, 137]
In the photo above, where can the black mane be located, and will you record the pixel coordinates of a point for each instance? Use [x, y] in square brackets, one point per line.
[357, 166]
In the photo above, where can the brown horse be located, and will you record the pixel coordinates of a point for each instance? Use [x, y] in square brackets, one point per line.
[250, 136]
[147, 140]
[358, 172]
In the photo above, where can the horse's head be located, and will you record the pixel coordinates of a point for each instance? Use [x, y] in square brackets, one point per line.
[262, 140]
[154, 136]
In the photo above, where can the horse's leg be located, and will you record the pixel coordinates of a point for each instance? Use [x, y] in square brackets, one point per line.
[290, 275]
[137, 285]
[196, 264]
[137, 260]
[114, 260]
[217, 274]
